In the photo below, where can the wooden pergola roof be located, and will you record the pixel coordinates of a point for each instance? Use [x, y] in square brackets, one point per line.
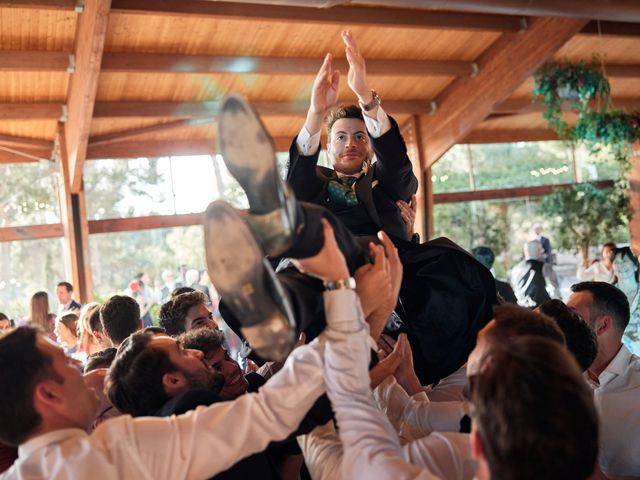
[142, 77]
[91, 79]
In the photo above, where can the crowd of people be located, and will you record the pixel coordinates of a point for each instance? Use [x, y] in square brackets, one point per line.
[369, 354]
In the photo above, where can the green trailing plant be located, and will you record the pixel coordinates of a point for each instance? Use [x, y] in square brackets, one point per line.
[563, 82]
[614, 129]
[584, 214]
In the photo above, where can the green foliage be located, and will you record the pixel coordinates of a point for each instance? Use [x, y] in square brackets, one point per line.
[614, 129]
[585, 215]
[577, 83]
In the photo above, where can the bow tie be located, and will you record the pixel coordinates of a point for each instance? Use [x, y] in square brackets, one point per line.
[341, 191]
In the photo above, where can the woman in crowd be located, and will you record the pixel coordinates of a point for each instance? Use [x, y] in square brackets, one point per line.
[39, 313]
[65, 331]
[626, 269]
[87, 343]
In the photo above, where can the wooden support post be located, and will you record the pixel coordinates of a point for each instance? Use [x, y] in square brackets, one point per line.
[410, 134]
[73, 216]
[634, 198]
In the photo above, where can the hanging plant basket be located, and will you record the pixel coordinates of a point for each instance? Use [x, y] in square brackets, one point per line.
[577, 84]
[616, 129]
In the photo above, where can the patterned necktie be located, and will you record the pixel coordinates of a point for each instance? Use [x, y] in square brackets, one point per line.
[341, 191]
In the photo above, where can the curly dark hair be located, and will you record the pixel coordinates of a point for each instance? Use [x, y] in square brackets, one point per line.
[173, 313]
[203, 339]
[342, 111]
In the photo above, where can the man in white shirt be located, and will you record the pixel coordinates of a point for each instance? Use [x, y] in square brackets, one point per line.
[614, 377]
[47, 409]
[510, 436]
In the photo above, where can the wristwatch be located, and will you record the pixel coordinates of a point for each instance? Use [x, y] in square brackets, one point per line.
[375, 102]
[342, 284]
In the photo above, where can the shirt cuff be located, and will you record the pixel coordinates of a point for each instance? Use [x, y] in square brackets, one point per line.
[306, 143]
[376, 126]
[342, 311]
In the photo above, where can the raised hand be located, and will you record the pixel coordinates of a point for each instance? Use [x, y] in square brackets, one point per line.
[324, 93]
[408, 213]
[373, 282]
[357, 77]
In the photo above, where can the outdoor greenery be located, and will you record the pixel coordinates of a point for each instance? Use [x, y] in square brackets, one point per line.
[613, 129]
[585, 214]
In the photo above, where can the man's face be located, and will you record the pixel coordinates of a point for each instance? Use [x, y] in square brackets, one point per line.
[234, 382]
[5, 326]
[199, 316]
[474, 362]
[79, 403]
[190, 363]
[63, 295]
[581, 303]
[349, 145]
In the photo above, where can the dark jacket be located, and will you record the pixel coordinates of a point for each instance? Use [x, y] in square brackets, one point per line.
[389, 179]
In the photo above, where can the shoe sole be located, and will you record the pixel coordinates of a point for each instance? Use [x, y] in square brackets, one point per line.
[249, 155]
[247, 283]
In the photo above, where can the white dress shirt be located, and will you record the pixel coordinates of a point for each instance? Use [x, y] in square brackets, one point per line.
[617, 398]
[596, 272]
[371, 448]
[196, 445]
[451, 388]
[308, 143]
[416, 416]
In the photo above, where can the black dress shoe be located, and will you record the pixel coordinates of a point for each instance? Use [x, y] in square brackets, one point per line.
[248, 152]
[247, 283]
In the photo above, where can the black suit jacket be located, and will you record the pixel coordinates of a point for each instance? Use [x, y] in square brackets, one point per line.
[389, 179]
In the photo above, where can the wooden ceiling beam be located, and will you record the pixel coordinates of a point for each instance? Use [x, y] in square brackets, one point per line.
[31, 111]
[160, 127]
[41, 4]
[519, 106]
[510, 136]
[28, 142]
[503, 68]
[23, 155]
[398, 18]
[83, 85]
[616, 29]
[35, 61]
[173, 63]
[210, 109]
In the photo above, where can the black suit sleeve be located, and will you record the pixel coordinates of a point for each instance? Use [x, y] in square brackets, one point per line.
[394, 171]
[302, 175]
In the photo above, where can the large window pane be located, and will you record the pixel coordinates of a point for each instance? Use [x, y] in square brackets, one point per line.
[506, 165]
[117, 257]
[27, 267]
[29, 194]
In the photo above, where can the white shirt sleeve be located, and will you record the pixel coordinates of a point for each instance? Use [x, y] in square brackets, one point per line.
[308, 143]
[199, 444]
[447, 455]
[370, 444]
[322, 451]
[415, 416]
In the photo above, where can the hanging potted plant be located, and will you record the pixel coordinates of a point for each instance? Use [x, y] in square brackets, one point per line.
[577, 84]
[614, 129]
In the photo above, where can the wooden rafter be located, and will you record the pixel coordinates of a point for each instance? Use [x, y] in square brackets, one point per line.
[83, 85]
[15, 141]
[40, 4]
[400, 18]
[510, 136]
[503, 68]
